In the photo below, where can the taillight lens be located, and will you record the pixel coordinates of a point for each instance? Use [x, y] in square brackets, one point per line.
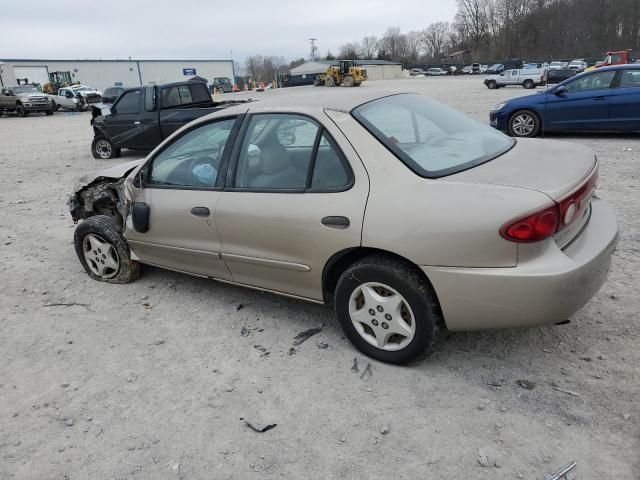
[544, 223]
[533, 227]
[574, 204]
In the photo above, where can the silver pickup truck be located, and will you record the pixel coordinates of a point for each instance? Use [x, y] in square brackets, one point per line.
[528, 78]
[24, 99]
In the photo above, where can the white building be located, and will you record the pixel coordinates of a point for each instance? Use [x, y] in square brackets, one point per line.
[102, 74]
[376, 69]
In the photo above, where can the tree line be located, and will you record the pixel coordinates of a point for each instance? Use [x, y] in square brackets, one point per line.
[501, 29]
[494, 30]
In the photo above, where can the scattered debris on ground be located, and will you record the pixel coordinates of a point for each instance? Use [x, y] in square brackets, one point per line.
[259, 427]
[302, 337]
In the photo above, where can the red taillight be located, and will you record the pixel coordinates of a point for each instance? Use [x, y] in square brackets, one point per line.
[533, 227]
[545, 222]
[574, 203]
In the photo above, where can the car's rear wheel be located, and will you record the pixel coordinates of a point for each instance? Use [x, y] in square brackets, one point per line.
[103, 149]
[104, 252]
[387, 309]
[524, 123]
[528, 84]
[492, 85]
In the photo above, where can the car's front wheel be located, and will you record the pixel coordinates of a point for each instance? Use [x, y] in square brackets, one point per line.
[524, 123]
[104, 252]
[492, 85]
[21, 111]
[103, 149]
[387, 309]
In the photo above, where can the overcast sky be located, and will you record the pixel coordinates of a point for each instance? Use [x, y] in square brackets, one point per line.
[194, 29]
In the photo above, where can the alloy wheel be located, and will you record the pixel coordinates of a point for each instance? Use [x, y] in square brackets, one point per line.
[382, 316]
[523, 124]
[101, 257]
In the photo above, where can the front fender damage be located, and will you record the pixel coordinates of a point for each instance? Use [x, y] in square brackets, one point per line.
[103, 196]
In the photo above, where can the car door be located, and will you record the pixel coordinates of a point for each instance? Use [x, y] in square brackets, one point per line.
[124, 126]
[584, 105]
[65, 98]
[295, 196]
[174, 199]
[624, 109]
[511, 77]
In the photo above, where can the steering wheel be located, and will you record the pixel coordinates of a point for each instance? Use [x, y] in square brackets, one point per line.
[193, 180]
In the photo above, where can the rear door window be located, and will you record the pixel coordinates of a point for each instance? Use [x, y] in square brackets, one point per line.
[593, 81]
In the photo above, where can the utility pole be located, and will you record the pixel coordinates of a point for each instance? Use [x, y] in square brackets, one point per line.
[314, 49]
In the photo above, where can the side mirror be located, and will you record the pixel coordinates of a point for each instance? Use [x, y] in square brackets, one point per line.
[562, 90]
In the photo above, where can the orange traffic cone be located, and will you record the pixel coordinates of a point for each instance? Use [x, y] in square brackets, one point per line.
[235, 87]
[245, 88]
[260, 87]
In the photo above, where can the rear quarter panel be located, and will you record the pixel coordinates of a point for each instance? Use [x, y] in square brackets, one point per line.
[444, 222]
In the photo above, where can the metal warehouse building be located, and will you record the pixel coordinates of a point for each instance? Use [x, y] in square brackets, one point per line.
[102, 74]
[376, 69]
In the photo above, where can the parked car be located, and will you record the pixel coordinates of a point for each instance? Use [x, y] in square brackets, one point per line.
[24, 99]
[436, 72]
[607, 99]
[498, 68]
[557, 76]
[578, 65]
[307, 196]
[142, 117]
[468, 70]
[528, 78]
[417, 71]
[558, 65]
[221, 85]
[68, 99]
[495, 69]
[110, 95]
[87, 94]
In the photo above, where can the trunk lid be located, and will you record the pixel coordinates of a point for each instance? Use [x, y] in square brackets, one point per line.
[552, 167]
[567, 173]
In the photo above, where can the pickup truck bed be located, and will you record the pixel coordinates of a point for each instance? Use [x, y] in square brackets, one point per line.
[143, 117]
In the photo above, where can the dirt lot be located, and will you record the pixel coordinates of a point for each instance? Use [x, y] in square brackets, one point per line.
[151, 380]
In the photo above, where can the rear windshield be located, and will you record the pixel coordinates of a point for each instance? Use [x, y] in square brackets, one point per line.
[431, 139]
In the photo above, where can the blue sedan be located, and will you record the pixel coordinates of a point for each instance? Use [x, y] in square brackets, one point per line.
[602, 100]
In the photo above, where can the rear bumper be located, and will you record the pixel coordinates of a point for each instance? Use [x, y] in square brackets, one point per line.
[550, 287]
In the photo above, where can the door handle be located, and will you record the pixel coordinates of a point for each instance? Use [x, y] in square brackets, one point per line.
[200, 211]
[136, 123]
[599, 99]
[336, 221]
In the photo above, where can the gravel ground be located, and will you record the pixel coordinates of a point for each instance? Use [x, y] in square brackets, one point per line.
[152, 380]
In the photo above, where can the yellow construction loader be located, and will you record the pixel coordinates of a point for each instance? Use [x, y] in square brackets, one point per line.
[346, 73]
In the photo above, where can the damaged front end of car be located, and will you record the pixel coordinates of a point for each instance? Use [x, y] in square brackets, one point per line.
[104, 194]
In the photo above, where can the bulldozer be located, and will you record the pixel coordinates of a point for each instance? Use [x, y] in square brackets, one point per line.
[346, 73]
[57, 80]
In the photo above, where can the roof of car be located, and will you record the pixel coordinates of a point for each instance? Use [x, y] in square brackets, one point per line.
[340, 99]
[634, 66]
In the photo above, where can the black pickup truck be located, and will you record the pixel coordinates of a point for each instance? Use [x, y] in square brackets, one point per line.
[142, 117]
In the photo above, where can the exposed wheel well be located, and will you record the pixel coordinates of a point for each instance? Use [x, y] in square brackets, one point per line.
[342, 260]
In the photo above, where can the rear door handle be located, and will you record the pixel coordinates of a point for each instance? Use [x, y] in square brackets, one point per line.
[136, 123]
[200, 211]
[336, 221]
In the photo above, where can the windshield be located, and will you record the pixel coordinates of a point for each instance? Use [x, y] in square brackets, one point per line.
[25, 89]
[430, 138]
[495, 66]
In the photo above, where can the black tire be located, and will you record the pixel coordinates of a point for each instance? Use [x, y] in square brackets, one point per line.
[49, 112]
[517, 131]
[79, 107]
[108, 231]
[21, 111]
[54, 106]
[104, 151]
[416, 292]
[492, 85]
[317, 82]
[1, 111]
[329, 81]
[528, 84]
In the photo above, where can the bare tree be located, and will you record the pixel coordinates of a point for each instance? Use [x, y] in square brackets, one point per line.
[413, 46]
[437, 37]
[369, 47]
[264, 68]
[349, 51]
[393, 43]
